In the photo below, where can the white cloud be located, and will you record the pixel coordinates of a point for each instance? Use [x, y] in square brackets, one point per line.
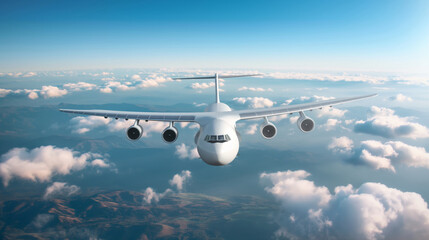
[30, 74]
[184, 151]
[329, 77]
[4, 92]
[293, 119]
[380, 155]
[40, 164]
[82, 125]
[33, 95]
[251, 129]
[401, 98]
[80, 86]
[254, 102]
[136, 77]
[253, 89]
[205, 85]
[151, 196]
[116, 85]
[372, 211]
[306, 99]
[41, 220]
[60, 189]
[331, 112]
[52, 92]
[330, 124]
[153, 81]
[179, 180]
[383, 122]
[341, 144]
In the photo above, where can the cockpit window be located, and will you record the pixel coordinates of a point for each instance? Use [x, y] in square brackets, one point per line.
[217, 138]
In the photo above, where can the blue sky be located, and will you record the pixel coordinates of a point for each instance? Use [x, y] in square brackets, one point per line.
[381, 36]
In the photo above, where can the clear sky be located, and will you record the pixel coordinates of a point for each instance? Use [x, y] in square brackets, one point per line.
[387, 36]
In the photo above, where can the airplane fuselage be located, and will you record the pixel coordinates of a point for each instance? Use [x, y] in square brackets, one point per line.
[217, 141]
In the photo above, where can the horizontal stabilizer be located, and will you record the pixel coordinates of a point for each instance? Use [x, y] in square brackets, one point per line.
[219, 76]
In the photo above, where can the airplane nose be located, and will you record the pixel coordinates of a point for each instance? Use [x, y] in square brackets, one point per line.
[217, 154]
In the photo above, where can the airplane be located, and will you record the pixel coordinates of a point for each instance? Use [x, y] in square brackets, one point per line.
[217, 140]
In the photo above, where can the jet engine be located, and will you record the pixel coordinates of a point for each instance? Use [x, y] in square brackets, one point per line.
[170, 134]
[305, 123]
[135, 131]
[268, 130]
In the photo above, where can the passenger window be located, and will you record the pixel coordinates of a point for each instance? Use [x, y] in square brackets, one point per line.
[221, 138]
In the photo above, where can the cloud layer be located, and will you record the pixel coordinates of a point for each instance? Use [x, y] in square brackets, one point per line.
[383, 122]
[42, 163]
[380, 155]
[372, 211]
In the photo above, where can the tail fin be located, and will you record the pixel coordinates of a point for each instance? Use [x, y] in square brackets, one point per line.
[216, 78]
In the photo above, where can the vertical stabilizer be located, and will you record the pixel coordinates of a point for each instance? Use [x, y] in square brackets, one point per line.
[217, 87]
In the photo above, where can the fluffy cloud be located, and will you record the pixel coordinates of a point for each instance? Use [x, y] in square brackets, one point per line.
[108, 88]
[372, 211]
[82, 125]
[40, 164]
[251, 129]
[331, 112]
[179, 180]
[153, 81]
[254, 102]
[205, 85]
[80, 86]
[330, 124]
[4, 92]
[253, 89]
[383, 122]
[184, 151]
[341, 144]
[400, 98]
[60, 189]
[380, 155]
[151, 196]
[52, 92]
[329, 77]
[306, 99]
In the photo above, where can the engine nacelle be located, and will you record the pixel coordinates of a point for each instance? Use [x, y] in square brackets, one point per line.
[268, 130]
[305, 124]
[170, 134]
[134, 132]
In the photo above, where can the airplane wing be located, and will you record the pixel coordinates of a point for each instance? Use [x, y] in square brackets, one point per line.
[266, 112]
[151, 116]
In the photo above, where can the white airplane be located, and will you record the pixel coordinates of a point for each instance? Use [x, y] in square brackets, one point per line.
[217, 140]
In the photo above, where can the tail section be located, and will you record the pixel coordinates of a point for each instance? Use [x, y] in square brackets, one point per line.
[216, 78]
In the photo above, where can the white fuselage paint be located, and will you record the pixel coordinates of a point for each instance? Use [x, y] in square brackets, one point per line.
[218, 153]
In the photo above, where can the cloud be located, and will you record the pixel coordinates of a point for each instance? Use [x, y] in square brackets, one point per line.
[383, 122]
[329, 77]
[41, 220]
[372, 211]
[331, 112]
[380, 155]
[341, 144]
[251, 129]
[150, 196]
[82, 125]
[401, 98]
[179, 180]
[330, 124]
[60, 189]
[255, 102]
[80, 86]
[4, 92]
[52, 92]
[184, 151]
[40, 164]
[306, 99]
[253, 89]
[108, 88]
[153, 81]
[33, 95]
[205, 85]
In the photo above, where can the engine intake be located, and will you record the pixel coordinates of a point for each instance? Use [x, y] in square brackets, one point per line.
[305, 124]
[268, 130]
[170, 134]
[135, 131]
